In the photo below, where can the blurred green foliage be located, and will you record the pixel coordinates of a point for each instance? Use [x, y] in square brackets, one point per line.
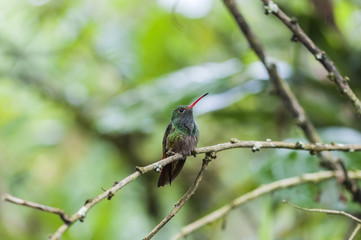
[87, 88]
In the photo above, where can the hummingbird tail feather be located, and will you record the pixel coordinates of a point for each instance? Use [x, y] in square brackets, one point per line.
[170, 172]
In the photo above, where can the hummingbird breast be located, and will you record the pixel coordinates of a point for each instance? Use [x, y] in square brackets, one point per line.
[180, 142]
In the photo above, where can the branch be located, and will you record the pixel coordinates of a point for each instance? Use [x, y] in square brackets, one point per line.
[290, 101]
[268, 188]
[282, 87]
[334, 212]
[257, 145]
[18, 201]
[81, 213]
[355, 231]
[234, 143]
[300, 35]
[184, 199]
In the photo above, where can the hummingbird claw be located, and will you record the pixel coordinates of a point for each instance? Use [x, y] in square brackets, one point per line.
[170, 153]
[194, 154]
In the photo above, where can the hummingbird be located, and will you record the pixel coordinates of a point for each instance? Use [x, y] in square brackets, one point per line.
[181, 136]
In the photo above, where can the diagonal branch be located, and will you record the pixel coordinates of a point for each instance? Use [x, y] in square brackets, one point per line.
[19, 201]
[262, 190]
[355, 231]
[290, 101]
[183, 200]
[301, 36]
[284, 91]
[81, 213]
[328, 211]
[333, 212]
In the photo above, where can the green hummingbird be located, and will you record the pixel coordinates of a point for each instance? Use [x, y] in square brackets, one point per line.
[181, 136]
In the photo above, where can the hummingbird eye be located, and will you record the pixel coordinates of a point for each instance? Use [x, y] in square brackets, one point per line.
[181, 110]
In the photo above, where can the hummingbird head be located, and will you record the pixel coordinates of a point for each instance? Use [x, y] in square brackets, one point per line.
[182, 116]
[181, 111]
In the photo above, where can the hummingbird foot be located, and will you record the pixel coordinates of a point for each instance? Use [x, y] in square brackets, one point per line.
[170, 153]
[193, 153]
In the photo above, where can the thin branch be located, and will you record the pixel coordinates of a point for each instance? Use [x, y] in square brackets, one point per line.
[234, 143]
[18, 201]
[183, 200]
[282, 87]
[301, 36]
[268, 188]
[81, 213]
[328, 211]
[355, 231]
[333, 212]
[290, 101]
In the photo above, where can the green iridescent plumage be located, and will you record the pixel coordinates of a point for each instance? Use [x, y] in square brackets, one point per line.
[181, 136]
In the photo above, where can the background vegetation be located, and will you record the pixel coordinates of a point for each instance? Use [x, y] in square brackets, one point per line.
[87, 88]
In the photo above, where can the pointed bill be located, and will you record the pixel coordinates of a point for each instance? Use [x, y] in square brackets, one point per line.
[195, 102]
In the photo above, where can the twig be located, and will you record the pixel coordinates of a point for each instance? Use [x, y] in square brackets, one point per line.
[283, 90]
[355, 231]
[234, 143]
[182, 201]
[290, 101]
[301, 36]
[328, 211]
[333, 212]
[268, 188]
[81, 213]
[18, 201]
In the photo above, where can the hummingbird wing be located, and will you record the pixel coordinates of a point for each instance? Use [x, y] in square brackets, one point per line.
[166, 173]
[179, 143]
[170, 129]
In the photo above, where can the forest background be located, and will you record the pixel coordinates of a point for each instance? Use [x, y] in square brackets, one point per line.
[87, 88]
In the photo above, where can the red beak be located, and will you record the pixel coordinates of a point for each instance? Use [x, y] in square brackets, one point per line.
[195, 102]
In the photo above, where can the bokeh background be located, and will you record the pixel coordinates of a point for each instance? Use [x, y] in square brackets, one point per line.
[86, 91]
